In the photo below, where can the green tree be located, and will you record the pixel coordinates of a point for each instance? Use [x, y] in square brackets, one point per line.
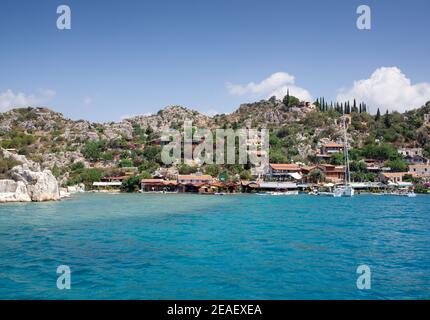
[337, 158]
[212, 170]
[186, 169]
[293, 101]
[397, 165]
[131, 184]
[387, 120]
[145, 175]
[316, 176]
[378, 115]
[149, 166]
[246, 175]
[420, 188]
[92, 150]
[380, 152]
[77, 166]
[152, 153]
[87, 176]
[358, 166]
[277, 156]
[56, 171]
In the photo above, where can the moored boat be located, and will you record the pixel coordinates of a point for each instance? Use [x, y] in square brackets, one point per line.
[345, 190]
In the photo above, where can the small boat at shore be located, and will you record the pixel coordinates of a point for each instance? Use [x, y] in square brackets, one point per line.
[344, 191]
[284, 193]
[278, 193]
[399, 193]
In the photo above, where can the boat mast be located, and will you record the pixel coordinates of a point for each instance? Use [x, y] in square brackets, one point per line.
[345, 150]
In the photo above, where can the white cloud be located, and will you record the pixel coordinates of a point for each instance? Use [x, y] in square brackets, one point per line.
[9, 99]
[387, 88]
[87, 101]
[275, 85]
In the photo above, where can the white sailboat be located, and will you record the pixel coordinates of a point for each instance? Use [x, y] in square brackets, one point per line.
[345, 190]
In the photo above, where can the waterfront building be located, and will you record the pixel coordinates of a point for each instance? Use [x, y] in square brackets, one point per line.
[194, 178]
[158, 185]
[333, 174]
[395, 178]
[193, 182]
[284, 172]
[107, 186]
[109, 183]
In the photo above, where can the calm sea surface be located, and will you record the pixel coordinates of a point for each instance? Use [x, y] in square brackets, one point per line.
[134, 246]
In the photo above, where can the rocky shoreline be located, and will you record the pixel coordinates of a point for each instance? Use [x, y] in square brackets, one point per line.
[28, 182]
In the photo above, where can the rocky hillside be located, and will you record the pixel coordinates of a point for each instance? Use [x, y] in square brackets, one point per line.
[266, 113]
[170, 117]
[67, 147]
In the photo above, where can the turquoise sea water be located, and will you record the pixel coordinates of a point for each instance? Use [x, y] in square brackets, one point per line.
[134, 246]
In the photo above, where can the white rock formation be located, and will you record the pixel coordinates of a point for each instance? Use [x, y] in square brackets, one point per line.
[29, 182]
[13, 191]
[41, 185]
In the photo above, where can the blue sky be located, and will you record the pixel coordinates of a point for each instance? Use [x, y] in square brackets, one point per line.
[135, 57]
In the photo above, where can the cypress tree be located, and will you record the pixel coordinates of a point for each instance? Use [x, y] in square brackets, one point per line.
[378, 115]
[387, 120]
[286, 99]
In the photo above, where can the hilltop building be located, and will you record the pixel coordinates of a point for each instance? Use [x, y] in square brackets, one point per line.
[410, 152]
